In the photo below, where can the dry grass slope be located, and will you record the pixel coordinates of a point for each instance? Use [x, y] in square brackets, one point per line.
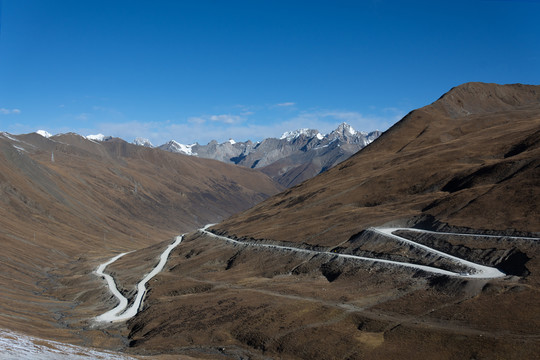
[68, 203]
[469, 161]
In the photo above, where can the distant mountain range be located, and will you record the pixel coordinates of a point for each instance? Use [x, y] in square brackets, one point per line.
[294, 157]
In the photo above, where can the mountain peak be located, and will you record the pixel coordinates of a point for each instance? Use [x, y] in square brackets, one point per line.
[291, 135]
[176, 147]
[98, 137]
[142, 142]
[345, 129]
[343, 132]
[44, 133]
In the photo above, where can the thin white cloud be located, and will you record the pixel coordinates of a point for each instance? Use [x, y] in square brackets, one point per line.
[227, 119]
[286, 104]
[128, 130]
[223, 118]
[82, 117]
[395, 113]
[203, 133]
[108, 111]
[196, 120]
[5, 111]
[342, 115]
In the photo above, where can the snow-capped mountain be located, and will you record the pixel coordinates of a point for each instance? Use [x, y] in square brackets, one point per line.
[346, 133]
[175, 147]
[281, 158]
[98, 137]
[291, 135]
[142, 142]
[44, 133]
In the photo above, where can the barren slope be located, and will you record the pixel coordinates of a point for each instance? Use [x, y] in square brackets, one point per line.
[471, 159]
[468, 162]
[67, 203]
[238, 301]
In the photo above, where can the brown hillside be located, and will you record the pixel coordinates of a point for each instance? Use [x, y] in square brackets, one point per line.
[469, 162]
[471, 159]
[68, 203]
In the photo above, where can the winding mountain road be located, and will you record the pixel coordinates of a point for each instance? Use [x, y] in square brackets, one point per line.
[477, 270]
[119, 313]
[112, 287]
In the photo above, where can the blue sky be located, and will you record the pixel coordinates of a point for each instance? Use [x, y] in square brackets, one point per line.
[201, 70]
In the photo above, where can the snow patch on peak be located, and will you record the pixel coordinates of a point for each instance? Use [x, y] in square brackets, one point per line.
[346, 128]
[291, 135]
[176, 147]
[232, 141]
[142, 142]
[320, 136]
[44, 133]
[98, 137]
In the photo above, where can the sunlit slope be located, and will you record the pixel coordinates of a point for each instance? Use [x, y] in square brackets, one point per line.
[275, 287]
[67, 200]
[470, 159]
